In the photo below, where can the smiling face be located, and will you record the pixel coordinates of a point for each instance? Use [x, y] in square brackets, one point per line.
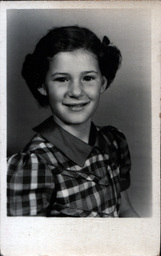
[73, 84]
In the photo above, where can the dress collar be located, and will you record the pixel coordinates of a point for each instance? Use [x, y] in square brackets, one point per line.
[74, 148]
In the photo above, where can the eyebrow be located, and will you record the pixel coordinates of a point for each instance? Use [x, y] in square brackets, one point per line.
[64, 73]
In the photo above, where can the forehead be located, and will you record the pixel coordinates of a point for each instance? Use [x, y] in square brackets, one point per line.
[78, 59]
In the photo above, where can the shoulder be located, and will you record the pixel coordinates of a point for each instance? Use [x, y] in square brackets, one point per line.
[37, 142]
[114, 135]
[31, 158]
[23, 162]
[22, 158]
[24, 169]
[26, 155]
[36, 151]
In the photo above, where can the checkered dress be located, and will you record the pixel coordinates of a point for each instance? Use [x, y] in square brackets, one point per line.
[58, 175]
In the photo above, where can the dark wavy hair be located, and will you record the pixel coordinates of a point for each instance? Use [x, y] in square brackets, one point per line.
[67, 39]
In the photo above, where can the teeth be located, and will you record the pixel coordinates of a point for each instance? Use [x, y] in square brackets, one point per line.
[76, 105]
[80, 105]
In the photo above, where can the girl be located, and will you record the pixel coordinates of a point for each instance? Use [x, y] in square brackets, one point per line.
[71, 168]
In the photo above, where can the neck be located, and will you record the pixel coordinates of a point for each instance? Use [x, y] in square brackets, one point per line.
[80, 131]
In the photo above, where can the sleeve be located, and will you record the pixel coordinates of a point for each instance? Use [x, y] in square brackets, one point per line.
[30, 184]
[123, 157]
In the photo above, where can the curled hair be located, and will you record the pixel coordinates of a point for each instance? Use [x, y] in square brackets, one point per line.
[67, 39]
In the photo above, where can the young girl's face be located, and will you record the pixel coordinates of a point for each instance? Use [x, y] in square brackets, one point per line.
[73, 84]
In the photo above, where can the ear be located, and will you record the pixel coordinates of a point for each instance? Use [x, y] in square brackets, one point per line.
[104, 84]
[42, 90]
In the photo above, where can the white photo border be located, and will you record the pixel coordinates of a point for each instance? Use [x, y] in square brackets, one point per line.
[54, 236]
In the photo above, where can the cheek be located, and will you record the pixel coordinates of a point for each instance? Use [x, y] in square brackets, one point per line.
[54, 93]
[94, 93]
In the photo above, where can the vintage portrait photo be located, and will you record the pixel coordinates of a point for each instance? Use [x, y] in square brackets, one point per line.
[79, 123]
[79, 71]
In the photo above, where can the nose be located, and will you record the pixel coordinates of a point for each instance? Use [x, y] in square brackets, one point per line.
[75, 89]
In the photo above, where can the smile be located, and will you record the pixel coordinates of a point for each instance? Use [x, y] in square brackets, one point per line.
[76, 106]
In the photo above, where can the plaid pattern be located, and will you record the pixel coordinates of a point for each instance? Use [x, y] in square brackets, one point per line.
[43, 181]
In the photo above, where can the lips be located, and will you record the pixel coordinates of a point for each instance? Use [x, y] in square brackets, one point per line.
[76, 106]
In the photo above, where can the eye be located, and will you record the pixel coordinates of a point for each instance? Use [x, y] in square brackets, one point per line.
[88, 78]
[61, 79]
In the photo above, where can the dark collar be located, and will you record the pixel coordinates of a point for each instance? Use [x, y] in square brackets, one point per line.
[71, 146]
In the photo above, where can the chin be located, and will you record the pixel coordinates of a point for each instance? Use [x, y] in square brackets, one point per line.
[75, 122]
[74, 119]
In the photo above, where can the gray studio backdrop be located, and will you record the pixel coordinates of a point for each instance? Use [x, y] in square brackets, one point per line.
[126, 104]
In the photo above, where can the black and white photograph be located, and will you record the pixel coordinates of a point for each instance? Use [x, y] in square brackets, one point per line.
[79, 124]
[79, 70]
